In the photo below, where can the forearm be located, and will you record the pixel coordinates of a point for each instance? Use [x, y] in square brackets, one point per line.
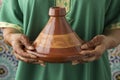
[113, 37]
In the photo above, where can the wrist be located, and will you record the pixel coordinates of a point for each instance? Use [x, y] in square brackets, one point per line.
[110, 42]
[10, 31]
[8, 34]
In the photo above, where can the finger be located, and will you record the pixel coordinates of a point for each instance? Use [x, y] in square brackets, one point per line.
[40, 62]
[25, 59]
[87, 45]
[101, 50]
[75, 62]
[93, 54]
[90, 59]
[87, 53]
[31, 52]
[34, 61]
[34, 53]
[89, 56]
[26, 42]
[94, 42]
[98, 50]
[18, 49]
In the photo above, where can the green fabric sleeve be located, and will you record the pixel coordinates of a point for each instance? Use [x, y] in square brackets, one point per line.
[11, 14]
[112, 19]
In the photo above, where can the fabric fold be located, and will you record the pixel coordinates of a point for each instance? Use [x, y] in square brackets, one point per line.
[10, 25]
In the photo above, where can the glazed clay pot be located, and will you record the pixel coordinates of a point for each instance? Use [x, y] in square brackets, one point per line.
[57, 42]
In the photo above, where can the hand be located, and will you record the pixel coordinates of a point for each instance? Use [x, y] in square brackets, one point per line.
[94, 49]
[19, 43]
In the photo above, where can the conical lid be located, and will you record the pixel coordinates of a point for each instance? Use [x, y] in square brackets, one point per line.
[57, 42]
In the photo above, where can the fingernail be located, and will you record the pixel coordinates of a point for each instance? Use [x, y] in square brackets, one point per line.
[75, 62]
[81, 53]
[84, 46]
[43, 65]
[30, 47]
[32, 56]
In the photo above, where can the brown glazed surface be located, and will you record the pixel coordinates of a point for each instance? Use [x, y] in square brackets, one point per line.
[57, 42]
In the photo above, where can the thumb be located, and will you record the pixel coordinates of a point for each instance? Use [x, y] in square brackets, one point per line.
[25, 41]
[88, 45]
[93, 43]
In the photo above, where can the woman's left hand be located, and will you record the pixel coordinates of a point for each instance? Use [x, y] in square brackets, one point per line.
[94, 49]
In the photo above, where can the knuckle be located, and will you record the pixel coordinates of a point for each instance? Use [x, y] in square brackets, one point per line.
[92, 59]
[25, 60]
[24, 37]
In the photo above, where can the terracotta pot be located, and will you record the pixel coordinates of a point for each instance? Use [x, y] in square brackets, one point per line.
[57, 42]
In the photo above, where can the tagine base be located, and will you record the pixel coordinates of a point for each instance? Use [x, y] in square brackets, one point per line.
[56, 58]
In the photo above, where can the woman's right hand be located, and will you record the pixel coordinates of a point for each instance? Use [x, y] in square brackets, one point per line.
[19, 43]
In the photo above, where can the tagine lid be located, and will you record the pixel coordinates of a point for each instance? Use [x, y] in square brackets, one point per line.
[57, 42]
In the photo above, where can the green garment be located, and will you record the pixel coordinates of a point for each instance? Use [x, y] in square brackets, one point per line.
[87, 18]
